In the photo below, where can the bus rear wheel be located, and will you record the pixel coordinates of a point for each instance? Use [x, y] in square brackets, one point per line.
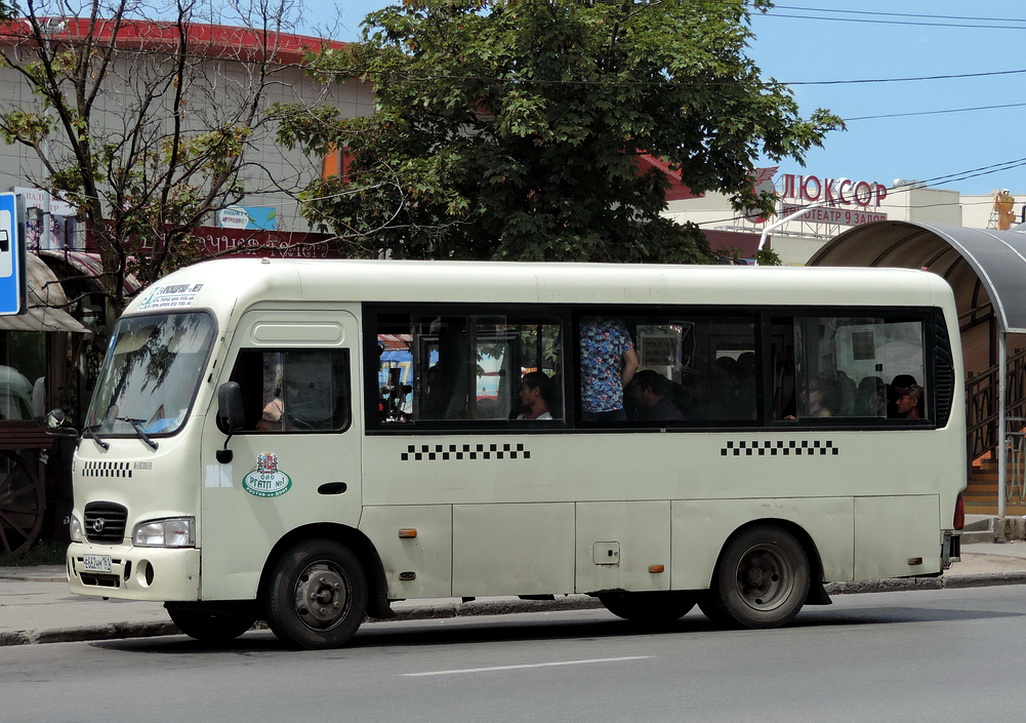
[648, 607]
[761, 580]
[208, 627]
[318, 595]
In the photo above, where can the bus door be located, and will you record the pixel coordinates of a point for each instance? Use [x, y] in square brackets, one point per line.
[297, 459]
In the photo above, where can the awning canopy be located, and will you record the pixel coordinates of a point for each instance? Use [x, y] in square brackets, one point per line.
[90, 267]
[980, 264]
[45, 299]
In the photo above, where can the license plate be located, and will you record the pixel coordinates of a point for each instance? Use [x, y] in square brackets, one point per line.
[96, 563]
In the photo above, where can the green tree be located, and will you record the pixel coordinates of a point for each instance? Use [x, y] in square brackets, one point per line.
[510, 129]
[142, 127]
[8, 10]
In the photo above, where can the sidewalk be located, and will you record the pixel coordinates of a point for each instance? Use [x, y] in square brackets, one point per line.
[36, 607]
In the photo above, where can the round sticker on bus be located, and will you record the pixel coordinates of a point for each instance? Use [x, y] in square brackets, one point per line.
[267, 480]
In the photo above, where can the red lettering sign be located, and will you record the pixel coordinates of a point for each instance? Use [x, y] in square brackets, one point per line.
[841, 191]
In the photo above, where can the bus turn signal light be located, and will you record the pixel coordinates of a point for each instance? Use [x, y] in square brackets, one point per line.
[656, 568]
[407, 533]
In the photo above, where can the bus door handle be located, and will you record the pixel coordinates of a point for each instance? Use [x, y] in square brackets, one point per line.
[332, 488]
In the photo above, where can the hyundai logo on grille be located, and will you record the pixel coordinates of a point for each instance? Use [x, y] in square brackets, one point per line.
[98, 524]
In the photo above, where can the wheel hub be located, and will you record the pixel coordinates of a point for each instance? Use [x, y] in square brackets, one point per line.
[322, 598]
[760, 579]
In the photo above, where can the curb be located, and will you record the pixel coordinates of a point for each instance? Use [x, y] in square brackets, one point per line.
[110, 631]
[118, 631]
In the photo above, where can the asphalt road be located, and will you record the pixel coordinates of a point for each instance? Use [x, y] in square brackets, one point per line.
[904, 656]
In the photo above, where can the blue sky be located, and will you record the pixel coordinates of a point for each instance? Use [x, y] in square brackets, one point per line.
[810, 41]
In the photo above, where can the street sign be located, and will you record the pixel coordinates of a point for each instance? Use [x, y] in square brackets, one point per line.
[12, 254]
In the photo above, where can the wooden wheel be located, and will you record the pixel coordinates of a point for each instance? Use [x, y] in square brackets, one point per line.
[22, 503]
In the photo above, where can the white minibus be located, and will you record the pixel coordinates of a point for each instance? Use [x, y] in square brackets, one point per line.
[305, 442]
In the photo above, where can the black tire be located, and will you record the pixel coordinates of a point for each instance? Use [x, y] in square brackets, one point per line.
[761, 580]
[208, 627]
[655, 608]
[328, 575]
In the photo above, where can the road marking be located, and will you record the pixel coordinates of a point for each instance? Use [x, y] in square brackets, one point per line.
[528, 665]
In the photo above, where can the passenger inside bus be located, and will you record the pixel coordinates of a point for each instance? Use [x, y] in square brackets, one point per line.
[871, 398]
[651, 393]
[535, 390]
[900, 382]
[909, 402]
[816, 398]
[608, 363]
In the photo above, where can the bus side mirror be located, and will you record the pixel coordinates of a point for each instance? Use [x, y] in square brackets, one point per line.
[55, 421]
[230, 415]
[229, 407]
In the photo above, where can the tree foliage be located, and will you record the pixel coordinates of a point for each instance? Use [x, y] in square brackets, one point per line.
[511, 129]
[141, 126]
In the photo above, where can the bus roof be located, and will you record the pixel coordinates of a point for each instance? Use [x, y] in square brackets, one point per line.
[224, 284]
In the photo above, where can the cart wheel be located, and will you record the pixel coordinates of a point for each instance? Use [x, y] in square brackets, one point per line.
[22, 503]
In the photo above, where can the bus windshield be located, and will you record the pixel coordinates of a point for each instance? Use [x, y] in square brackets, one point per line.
[153, 368]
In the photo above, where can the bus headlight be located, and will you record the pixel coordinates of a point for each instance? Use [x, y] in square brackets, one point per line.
[172, 532]
[75, 529]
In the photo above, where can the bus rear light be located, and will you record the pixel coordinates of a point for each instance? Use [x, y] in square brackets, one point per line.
[959, 521]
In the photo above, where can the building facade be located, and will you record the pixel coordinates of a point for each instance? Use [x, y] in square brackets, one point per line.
[822, 207]
[228, 67]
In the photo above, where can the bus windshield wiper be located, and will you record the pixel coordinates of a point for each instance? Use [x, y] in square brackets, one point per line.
[137, 426]
[88, 432]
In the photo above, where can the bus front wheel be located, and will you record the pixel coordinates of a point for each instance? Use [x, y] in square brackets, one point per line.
[761, 580]
[318, 595]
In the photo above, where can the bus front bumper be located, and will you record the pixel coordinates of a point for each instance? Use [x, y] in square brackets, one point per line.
[134, 573]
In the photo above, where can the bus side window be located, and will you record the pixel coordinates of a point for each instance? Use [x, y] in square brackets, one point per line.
[293, 390]
[447, 368]
[841, 364]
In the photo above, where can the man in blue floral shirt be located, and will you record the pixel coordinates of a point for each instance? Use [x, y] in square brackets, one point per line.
[608, 363]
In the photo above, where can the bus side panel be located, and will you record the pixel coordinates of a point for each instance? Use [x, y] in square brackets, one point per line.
[428, 555]
[512, 549]
[618, 543]
[893, 533]
[701, 527]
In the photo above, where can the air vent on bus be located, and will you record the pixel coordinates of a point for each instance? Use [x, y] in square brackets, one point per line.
[105, 522]
[945, 369]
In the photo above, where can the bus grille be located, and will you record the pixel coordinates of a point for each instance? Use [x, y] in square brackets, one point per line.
[105, 522]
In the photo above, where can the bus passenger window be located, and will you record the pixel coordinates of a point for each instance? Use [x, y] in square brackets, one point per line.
[294, 390]
[446, 368]
[848, 367]
[696, 369]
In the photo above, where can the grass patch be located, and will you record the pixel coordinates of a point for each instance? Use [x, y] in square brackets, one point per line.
[44, 552]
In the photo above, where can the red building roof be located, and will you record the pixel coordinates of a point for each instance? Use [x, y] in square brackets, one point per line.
[214, 41]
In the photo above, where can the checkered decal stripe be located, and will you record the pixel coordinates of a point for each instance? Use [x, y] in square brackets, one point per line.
[459, 452]
[780, 449]
[107, 469]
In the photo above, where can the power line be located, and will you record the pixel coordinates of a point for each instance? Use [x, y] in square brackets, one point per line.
[950, 76]
[899, 15]
[926, 21]
[934, 112]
